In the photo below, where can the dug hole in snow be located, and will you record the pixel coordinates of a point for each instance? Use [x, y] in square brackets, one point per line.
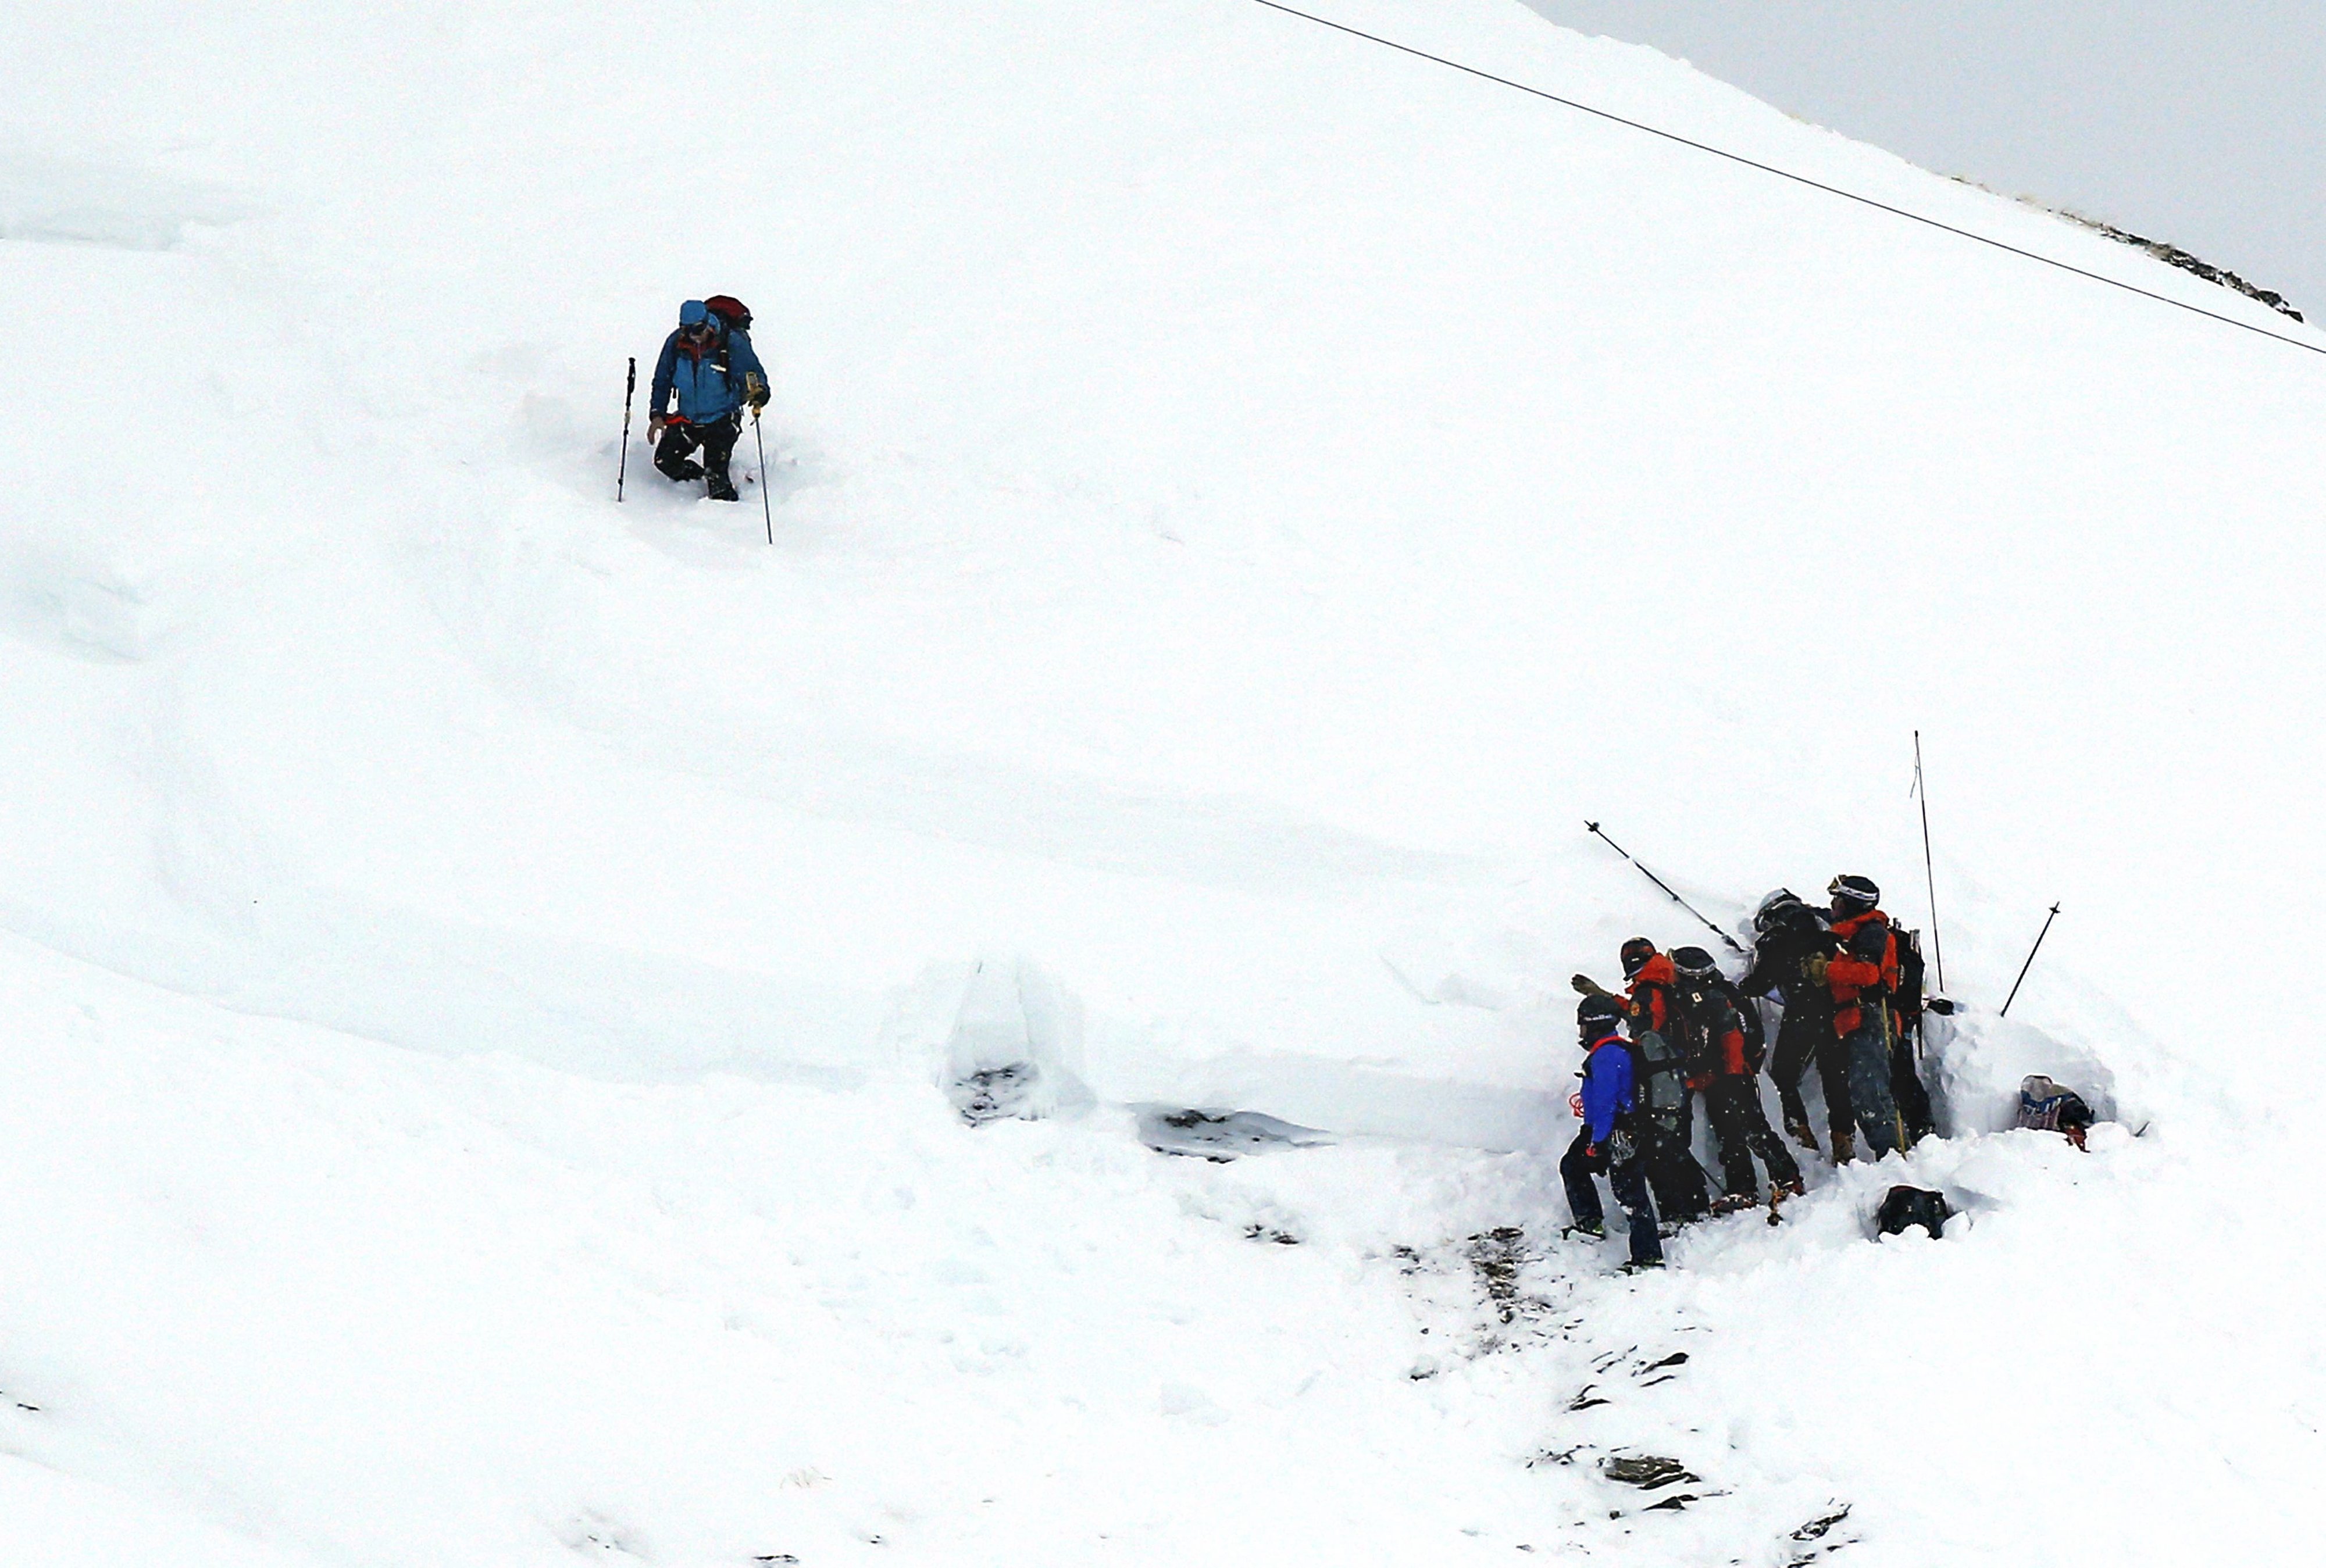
[1014, 1045]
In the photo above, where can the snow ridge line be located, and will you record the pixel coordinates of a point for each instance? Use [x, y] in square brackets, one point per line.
[1801, 179]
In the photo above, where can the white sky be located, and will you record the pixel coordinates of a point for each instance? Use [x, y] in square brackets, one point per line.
[2200, 122]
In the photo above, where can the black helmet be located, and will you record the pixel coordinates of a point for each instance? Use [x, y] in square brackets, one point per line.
[1858, 893]
[1773, 908]
[1598, 1017]
[1636, 953]
[1694, 963]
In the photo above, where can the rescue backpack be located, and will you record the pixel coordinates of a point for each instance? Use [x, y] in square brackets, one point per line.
[1906, 1206]
[1659, 1074]
[1748, 1018]
[1907, 999]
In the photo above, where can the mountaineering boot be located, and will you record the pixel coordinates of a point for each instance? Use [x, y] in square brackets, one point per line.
[1735, 1204]
[1792, 1189]
[1642, 1266]
[1845, 1147]
[1797, 1128]
[1589, 1230]
[722, 488]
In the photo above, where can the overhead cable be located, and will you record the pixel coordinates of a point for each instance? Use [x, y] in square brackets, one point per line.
[1801, 179]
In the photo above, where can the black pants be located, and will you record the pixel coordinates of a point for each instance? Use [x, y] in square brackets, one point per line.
[1682, 1192]
[1802, 1037]
[1576, 1170]
[1907, 1089]
[674, 455]
[1742, 1128]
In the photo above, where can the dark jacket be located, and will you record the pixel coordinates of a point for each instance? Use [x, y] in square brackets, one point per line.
[1748, 1014]
[1781, 963]
[1709, 1033]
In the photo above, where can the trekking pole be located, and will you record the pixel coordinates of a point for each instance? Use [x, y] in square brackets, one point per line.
[622, 473]
[1930, 876]
[766, 507]
[1675, 897]
[2030, 960]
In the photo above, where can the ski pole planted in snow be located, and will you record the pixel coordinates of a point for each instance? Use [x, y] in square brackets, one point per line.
[1675, 897]
[1930, 878]
[765, 508]
[2031, 960]
[622, 472]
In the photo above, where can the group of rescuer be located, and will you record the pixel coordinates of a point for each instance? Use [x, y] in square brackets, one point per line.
[1848, 986]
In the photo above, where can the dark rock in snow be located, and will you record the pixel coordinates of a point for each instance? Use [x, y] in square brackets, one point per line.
[1648, 1471]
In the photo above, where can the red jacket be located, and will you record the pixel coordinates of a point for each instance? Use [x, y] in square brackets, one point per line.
[1649, 995]
[1868, 961]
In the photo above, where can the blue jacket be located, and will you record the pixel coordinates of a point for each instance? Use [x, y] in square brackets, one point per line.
[1607, 1086]
[707, 376]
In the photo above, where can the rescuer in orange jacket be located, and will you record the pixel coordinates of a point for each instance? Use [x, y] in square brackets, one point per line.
[1862, 978]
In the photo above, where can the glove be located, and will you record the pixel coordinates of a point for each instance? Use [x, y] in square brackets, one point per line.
[755, 390]
[653, 428]
[1814, 966]
[1940, 1006]
[1619, 1148]
[1585, 985]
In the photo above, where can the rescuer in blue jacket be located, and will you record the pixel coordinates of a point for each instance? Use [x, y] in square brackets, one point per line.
[708, 365]
[1606, 1143]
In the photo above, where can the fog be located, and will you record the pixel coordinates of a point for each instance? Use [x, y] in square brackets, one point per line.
[2197, 121]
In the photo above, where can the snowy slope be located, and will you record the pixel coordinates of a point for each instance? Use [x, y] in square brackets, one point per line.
[1242, 498]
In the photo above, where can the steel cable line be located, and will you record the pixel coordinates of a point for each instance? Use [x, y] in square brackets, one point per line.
[1801, 180]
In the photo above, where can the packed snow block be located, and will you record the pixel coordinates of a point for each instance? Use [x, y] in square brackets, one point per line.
[1015, 1043]
[1974, 1063]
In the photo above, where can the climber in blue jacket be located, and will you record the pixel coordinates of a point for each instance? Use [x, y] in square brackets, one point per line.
[708, 365]
[1606, 1143]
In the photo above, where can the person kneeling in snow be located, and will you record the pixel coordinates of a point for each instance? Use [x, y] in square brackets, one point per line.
[2048, 1107]
[1606, 1142]
[710, 366]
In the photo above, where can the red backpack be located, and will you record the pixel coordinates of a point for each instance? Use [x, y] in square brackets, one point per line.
[733, 311]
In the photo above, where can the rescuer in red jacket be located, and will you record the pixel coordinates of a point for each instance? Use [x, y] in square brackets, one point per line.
[1711, 1036]
[1862, 978]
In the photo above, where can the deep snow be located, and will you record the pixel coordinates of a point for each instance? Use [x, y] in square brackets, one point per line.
[484, 963]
